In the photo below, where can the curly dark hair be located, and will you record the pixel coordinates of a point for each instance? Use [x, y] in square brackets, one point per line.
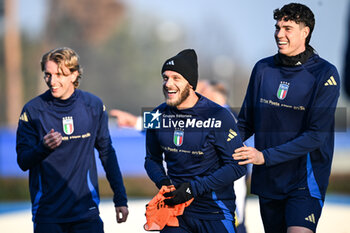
[298, 13]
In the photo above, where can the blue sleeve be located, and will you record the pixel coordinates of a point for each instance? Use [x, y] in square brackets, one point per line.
[154, 158]
[29, 146]
[246, 115]
[320, 124]
[226, 141]
[109, 161]
[346, 71]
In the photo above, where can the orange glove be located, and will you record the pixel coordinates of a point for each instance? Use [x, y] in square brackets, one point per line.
[158, 214]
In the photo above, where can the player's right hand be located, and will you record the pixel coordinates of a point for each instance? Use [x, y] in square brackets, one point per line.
[182, 194]
[124, 119]
[122, 213]
[52, 139]
[248, 155]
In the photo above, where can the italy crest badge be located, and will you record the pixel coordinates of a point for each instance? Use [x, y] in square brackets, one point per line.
[282, 90]
[178, 137]
[68, 126]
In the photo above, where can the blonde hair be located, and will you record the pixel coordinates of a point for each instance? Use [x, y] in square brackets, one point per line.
[64, 56]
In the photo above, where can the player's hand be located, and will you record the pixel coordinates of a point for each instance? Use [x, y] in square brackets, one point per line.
[52, 139]
[249, 155]
[182, 194]
[124, 119]
[165, 182]
[122, 213]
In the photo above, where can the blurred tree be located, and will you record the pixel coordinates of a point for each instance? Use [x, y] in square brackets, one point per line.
[2, 8]
[89, 22]
[13, 58]
[2, 74]
[121, 54]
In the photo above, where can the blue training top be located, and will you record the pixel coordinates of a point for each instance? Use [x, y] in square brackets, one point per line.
[197, 144]
[291, 112]
[63, 182]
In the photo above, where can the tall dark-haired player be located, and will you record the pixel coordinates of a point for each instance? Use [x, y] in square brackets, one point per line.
[289, 106]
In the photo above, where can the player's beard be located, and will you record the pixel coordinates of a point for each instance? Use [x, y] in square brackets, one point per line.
[181, 98]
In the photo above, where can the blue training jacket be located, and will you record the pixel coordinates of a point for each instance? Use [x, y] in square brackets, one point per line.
[199, 155]
[63, 182]
[291, 112]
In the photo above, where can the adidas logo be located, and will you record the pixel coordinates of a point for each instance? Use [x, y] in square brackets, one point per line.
[188, 190]
[330, 82]
[24, 117]
[231, 135]
[311, 218]
[170, 63]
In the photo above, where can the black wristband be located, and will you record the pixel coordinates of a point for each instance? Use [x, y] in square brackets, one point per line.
[165, 182]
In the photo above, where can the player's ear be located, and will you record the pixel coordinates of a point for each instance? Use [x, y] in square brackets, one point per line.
[74, 76]
[306, 31]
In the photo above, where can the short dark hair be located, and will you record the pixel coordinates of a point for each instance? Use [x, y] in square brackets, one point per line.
[298, 13]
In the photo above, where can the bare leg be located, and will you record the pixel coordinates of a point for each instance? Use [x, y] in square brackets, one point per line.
[296, 229]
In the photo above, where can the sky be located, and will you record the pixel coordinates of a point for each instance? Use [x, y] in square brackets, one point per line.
[230, 33]
[247, 25]
[250, 26]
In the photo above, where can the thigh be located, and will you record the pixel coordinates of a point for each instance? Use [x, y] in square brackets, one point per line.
[224, 226]
[50, 227]
[209, 226]
[273, 215]
[189, 224]
[168, 229]
[304, 211]
[90, 226]
[241, 228]
[182, 228]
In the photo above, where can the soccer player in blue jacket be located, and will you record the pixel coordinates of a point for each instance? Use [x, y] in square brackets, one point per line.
[56, 137]
[289, 106]
[197, 138]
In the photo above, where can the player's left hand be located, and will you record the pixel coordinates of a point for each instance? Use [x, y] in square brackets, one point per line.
[52, 139]
[124, 119]
[182, 194]
[248, 155]
[122, 213]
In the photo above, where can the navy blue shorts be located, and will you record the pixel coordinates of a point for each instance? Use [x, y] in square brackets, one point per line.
[298, 209]
[189, 224]
[241, 228]
[89, 226]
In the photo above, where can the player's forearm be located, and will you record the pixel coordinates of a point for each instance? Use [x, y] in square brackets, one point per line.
[113, 174]
[222, 177]
[29, 157]
[155, 171]
[244, 126]
[120, 198]
[300, 146]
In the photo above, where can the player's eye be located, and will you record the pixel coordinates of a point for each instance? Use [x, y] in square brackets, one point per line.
[47, 75]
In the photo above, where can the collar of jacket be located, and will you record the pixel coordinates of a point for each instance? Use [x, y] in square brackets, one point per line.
[297, 60]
